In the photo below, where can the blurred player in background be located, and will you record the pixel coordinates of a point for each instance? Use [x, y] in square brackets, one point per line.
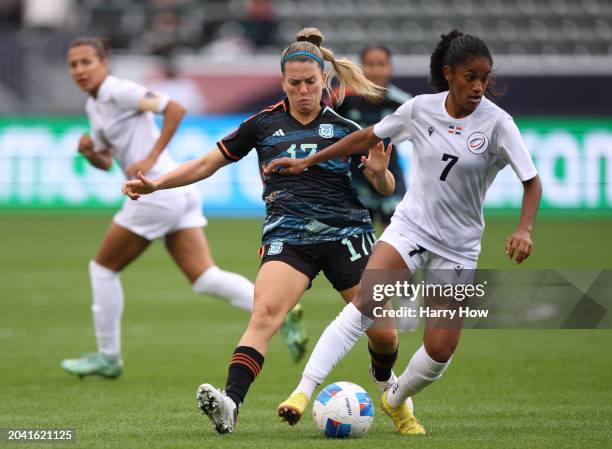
[314, 221]
[461, 141]
[377, 67]
[377, 64]
[180, 88]
[123, 127]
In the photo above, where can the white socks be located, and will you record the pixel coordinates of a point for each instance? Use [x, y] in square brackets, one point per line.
[337, 339]
[107, 305]
[420, 372]
[107, 308]
[237, 289]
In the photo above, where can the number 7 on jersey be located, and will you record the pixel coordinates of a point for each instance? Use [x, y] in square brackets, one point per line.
[452, 161]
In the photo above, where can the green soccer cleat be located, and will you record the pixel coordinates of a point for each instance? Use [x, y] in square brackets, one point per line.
[294, 334]
[94, 363]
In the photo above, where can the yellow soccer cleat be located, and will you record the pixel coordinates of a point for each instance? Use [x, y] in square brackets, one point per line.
[293, 408]
[404, 420]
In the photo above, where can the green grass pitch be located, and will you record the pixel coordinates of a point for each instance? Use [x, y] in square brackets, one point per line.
[504, 389]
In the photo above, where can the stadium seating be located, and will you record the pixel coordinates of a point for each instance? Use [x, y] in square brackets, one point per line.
[509, 26]
[565, 27]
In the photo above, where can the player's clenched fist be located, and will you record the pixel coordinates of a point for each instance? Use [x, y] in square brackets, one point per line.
[519, 245]
[86, 145]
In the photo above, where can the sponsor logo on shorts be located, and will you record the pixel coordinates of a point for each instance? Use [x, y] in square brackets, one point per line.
[326, 130]
[275, 248]
[477, 143]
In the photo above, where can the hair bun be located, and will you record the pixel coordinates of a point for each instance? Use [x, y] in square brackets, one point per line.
[106, 43]
[451, 35]
[312, 35]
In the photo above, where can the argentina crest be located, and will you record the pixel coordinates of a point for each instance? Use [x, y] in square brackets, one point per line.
[326, 130]
[275, 248]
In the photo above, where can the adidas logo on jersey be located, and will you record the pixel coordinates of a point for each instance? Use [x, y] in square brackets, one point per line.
[278, 132]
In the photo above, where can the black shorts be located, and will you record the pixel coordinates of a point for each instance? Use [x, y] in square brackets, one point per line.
[342, 261]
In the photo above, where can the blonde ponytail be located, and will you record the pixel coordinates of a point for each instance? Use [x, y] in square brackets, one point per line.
[349, 74]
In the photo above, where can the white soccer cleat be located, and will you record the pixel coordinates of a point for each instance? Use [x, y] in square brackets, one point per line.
[384, 385]
[219, 408]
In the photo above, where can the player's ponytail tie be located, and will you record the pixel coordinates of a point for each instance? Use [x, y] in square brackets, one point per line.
[312, 38]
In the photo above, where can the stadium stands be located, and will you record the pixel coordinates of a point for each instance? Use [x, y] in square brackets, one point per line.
[509, 26]
[528, 38]
[407, 26]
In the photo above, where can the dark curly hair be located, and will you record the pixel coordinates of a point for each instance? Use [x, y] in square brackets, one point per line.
[457, 48]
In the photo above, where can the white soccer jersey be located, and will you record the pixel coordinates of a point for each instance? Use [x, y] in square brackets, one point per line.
[454, 163]
[118, 124]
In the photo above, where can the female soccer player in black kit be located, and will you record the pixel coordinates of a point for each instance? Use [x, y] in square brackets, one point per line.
[314, 221]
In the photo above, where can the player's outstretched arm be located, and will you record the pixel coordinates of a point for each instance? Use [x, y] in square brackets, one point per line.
[519, 244]
[187, 173]
[352, 144]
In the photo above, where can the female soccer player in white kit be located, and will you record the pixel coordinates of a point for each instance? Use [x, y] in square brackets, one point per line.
[461, 141]
[123, 127]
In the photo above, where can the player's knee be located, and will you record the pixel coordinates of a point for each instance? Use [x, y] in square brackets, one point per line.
[264, 318]
[98, 271]
[441, 351]
[383, 340]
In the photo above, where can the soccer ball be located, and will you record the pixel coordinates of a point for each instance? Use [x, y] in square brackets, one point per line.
[343, 410]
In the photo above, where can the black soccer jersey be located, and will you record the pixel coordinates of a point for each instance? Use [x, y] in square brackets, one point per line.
[318, 205]
[366, 113]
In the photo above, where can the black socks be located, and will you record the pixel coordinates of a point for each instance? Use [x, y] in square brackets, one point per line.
[382, 364]
[245, 366]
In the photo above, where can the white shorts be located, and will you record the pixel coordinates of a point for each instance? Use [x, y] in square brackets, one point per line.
[162, 213]
[415, 256]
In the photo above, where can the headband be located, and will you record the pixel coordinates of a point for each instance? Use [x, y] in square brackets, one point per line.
[302, 53]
